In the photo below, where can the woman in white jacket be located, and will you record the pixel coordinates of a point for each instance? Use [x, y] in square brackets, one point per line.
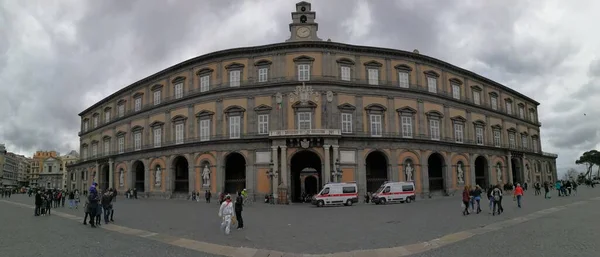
[226, 212]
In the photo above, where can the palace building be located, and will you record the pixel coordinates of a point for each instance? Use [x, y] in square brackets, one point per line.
[286, 118]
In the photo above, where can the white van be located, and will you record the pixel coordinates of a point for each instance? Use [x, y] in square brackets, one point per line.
[337, 194]
[391, 192]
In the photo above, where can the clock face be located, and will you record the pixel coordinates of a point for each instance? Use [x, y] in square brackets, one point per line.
[303, 32]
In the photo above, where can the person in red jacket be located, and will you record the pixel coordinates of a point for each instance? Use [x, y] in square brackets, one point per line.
[466, 198]
[518, 194]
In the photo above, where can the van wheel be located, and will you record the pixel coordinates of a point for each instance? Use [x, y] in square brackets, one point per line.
[348, 202]
[408, 199]
[320, 204]
[382, 200]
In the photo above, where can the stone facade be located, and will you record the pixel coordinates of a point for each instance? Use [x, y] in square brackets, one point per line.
[259, 117]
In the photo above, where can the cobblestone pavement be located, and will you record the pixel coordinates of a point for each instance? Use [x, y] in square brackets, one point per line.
[307, 229]
[24, 235]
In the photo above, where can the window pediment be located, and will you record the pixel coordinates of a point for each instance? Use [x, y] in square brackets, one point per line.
[94, 142]
[95, 114]
[496, 126]
[406, 110]
[374, 64]
[479, 123]
[234, 65]
[121, 133]
[521, 105]
[403, 67]
[532, 110]
[524, 134]
[84, 145]
[535, 136]
[137, 128]
[508, 100]
[456, 81]
[459, 119]
[105, 138]
[309, 104]
[205, 114]
[107, 109]
[477, 88]
[345, 61]
[179, 118]
[178, 79]
[121, 102]
[156, 124]
[434, 114]
[304, 58]
[86, 120]
[263, 62]
[156, 87]
[263, 108]
[346, 107]
[375, 108]
[204, 71]
[493, 94]
[138, 94]
[431, 74]
[512, 130]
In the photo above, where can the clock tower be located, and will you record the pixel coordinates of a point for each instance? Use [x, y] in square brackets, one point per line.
[303, 26]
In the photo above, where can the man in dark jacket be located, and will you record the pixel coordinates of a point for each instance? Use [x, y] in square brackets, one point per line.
[107, 204]
[239, 205]
[93, 200]
[38, 203]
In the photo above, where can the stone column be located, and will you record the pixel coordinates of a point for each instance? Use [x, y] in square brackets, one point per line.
[191, 178]
[509, 169]
[275, 169]
[336, 159]
[97, 174]
[147, 174]
[424, 175]
[327, 173]
[472, 175]
[284, 174]
[111, 174]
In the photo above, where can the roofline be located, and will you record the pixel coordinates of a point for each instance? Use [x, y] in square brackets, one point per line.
[304, 44]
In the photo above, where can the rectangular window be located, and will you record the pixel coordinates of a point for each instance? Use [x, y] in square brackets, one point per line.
[85, 151]
[477, 97]
[157, 137]
[524, 141]
[434, 129]
[346, 122]
[137, 141]
[234, 127]
[534, 144]
[376, 128]
[511, 140]
[121, 110]
[106, 147]
[345, 73]
[157, 97]
[234, 78]
[204, 83]
[121, 143]
[432, 85]
[304, 120]
[179, 133]
[494, 102]
[138, 104]
[509, 108]
[403, 79]
[94, 150]
[106, 116]
[521, 112]
[263, 74]
[263, 124]
[406, 126]
[458, 133]
[85, 125]
[179, 90]
[479, 135]
[497, 141]
[456, 91]
[204, 130]
[95, 121]
[303, 72]
[373, 76]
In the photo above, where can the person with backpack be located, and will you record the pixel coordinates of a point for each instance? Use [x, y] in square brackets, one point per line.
[497, 199]
[107, 204]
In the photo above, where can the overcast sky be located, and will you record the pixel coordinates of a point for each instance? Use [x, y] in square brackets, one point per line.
[59, 57]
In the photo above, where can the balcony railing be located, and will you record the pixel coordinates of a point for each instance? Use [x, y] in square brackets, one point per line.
[317, 132]
[253, 83]
[305, 132]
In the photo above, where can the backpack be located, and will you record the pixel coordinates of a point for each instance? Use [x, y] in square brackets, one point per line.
[496, 194]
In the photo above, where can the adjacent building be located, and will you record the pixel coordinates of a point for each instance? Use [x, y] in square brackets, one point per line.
[9, 177]
[23, 170]
[287, 118]
[68, 178]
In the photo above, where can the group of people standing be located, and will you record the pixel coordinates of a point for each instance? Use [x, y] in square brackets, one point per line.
[45, 200]
[471, 199]
[98, 203]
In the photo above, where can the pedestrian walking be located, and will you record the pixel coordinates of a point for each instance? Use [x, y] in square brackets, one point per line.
[497, 199]
[518, 194]
[547, 190]
[226, 213]
[465, 200]
[239, 207]
[207, 196]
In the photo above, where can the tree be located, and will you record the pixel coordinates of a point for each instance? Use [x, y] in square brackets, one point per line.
[570, 175]
[589, 159]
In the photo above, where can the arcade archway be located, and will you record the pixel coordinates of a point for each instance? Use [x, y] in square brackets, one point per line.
[305, 165]
[139, 170]
[181, 170]
[376, 169]
[435, 167]
[481, 172]
[104, 183]
[516, 171]
[235, 173]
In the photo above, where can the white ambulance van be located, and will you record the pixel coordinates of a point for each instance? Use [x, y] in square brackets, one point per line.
[393, 192]
[337, 194]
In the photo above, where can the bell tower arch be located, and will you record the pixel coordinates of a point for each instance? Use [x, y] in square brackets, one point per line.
[303, 26]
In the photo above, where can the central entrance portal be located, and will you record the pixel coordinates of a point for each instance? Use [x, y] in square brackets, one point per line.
[305, 171]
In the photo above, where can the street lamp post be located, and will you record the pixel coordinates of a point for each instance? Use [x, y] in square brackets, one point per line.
[337, 173]
[271, 173]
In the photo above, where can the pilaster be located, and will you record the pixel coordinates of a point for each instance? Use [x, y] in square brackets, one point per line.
[111, 174]
[362, 173]
[284, 173]
[251, 115]
[359, 114]
[469, 129]
[327, 177]
[421, 120]
[274, 179]
[391, 115]
[510, 171]
[424, 173]
[191, 123]
[191, 177]
[219, 114]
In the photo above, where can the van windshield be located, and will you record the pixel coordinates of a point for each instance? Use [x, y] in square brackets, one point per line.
[380, 189]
